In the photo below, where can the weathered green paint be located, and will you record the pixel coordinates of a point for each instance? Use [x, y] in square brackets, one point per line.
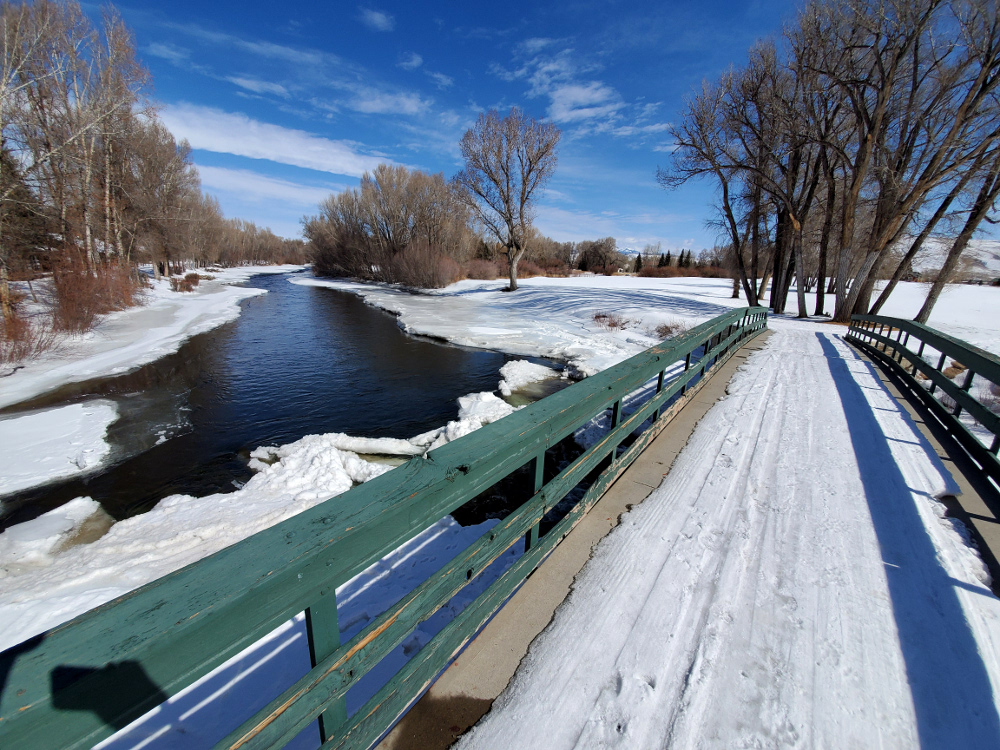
[156, 640]
[979, 362]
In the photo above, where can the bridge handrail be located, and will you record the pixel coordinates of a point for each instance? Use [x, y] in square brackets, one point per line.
[73, 685]
[874, 334]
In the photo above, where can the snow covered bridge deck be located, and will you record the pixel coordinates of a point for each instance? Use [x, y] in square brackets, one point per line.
[793, 582]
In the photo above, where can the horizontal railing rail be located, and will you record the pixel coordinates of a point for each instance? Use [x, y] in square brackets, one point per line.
[905, 346]
[73, 685]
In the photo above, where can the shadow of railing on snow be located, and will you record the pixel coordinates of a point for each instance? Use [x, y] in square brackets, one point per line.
[952, 694]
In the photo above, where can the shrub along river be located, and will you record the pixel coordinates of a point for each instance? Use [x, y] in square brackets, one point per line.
[299, 360]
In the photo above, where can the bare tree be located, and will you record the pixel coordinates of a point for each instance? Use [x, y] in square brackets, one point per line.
[507, 159]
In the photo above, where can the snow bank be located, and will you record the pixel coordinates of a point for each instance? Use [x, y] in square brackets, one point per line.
[519, 373]
[36, 542]
[179, 530]
[44, 446]
[125, 340]
[554, 318]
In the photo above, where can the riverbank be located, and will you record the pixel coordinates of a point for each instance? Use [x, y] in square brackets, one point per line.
[593, 322]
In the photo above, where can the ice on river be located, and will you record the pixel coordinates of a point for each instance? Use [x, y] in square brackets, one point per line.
[52, 444]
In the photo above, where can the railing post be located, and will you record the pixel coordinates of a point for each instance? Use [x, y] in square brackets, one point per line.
[323, 632]
[659, 388]
[531, 538]
[940, 366]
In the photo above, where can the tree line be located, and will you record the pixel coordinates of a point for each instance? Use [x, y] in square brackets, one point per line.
[839, 150]
[92, 184]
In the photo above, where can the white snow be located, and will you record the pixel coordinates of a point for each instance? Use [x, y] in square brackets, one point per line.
[181, 529]
[981, 256]
[797, 586]
[35, 542]
[554, 317]
[519, 373]
[43, 446]
[123, 341]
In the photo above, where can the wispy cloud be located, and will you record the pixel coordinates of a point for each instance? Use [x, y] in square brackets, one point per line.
[411, 61]
[176, 55]
[355, 88]
[296, 55]
[257, 86]
[573, 102]
[370, 101]
[377, 20]
[440, 79]
[253, 186]
[213, 129]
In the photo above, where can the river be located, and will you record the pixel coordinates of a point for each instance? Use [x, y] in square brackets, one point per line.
[299, 360]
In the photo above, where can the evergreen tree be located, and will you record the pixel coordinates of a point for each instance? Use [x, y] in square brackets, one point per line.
[668, 260]
[638, 263]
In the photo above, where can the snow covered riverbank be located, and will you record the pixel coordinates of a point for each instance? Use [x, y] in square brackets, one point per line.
[555, 317]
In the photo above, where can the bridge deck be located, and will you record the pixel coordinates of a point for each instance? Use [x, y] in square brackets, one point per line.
[789, 582]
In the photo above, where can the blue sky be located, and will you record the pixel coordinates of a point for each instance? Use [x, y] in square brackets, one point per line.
[287, 102]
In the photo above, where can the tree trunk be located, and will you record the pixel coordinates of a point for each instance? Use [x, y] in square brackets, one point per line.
[5, 303]
[984, 201]
[918, 243]
[513, 256]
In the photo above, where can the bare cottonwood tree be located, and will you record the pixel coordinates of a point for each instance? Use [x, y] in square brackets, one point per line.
[507, 160]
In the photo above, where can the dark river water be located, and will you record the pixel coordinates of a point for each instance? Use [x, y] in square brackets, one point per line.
[299, 360]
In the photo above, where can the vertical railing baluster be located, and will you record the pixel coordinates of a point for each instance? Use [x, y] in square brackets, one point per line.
[323, 632]
[659, 389]
[531, 538]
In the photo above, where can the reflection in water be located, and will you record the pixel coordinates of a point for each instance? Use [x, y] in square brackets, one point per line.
[299, 360]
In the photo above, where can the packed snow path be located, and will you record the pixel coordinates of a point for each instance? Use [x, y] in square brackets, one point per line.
[793, 583]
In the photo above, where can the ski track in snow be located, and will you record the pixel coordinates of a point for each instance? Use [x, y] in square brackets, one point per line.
[792, 583]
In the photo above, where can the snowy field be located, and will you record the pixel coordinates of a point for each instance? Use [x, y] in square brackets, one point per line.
[47, 576]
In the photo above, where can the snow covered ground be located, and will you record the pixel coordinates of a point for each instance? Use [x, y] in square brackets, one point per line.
[554, 318]
[799, 586]
[52, 444]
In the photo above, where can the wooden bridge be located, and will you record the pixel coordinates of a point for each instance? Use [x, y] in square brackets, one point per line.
[74, 685]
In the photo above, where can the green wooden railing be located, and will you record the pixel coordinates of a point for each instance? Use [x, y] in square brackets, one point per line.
[72, 686]
[904, 347]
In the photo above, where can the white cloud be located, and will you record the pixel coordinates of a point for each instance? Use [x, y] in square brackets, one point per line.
[213, 129]
[370, 101]
[535, 45]
[575, 101]
[441, 80]
[169, 52]
[296, 55]
[259, 87]
[377, 20]
[411, 62]
[254, 186]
